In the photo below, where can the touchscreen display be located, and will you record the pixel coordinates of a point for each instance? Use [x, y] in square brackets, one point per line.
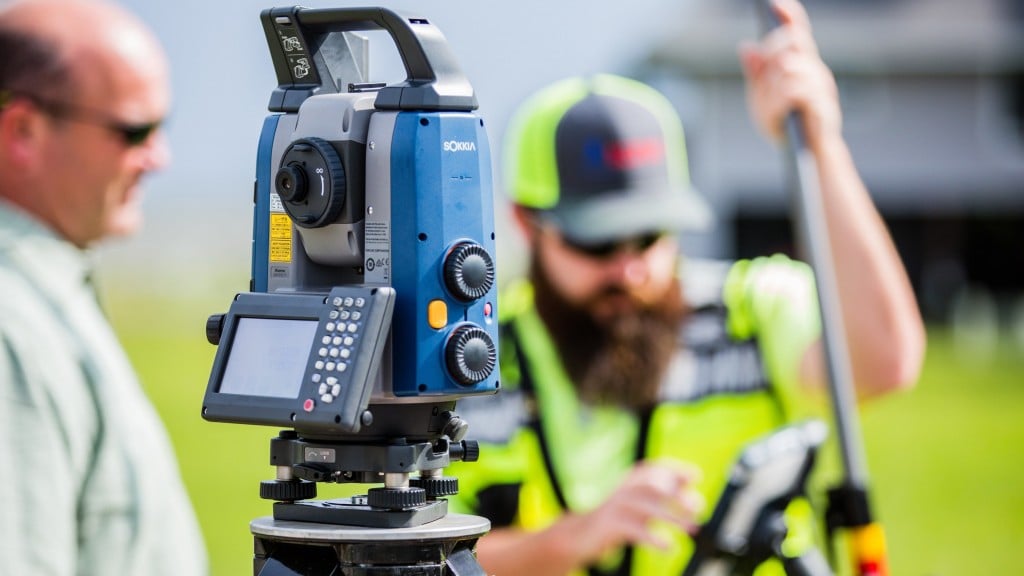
[268, 357]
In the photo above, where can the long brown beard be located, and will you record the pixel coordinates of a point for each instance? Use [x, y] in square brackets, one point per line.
[620, 361]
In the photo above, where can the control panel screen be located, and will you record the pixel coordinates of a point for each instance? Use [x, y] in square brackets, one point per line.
[268, 357]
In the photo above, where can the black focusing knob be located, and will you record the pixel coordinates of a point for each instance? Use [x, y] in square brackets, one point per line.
[396, 498]
[465, 451]
[469, 271]
[470, 355]
[470, 450]
[287, 490]
[311, 182]
[437, 487]
[214, 326]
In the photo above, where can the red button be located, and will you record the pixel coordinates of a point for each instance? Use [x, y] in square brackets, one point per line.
[308, 405]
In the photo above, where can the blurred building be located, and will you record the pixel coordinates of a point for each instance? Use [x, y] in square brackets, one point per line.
[933, 95]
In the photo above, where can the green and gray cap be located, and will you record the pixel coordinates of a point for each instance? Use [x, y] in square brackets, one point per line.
[604, 158]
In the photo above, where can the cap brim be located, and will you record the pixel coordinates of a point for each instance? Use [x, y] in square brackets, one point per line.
[616, 216]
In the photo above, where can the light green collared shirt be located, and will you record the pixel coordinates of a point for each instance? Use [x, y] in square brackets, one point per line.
[89, 484]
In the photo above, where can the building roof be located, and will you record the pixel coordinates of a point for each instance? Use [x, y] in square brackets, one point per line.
[862, 36]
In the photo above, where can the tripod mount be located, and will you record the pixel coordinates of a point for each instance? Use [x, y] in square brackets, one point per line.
[401, 528]
[439, 548]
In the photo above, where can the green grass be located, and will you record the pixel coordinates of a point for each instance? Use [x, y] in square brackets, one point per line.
[944, 458]
[946, 467]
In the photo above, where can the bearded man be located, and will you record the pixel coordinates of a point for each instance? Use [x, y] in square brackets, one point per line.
[632, 377]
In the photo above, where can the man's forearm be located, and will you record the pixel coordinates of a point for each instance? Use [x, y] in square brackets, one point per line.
[508, 551]
[883, 326]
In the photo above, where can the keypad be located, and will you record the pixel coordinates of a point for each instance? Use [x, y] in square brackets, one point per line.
[337, 345]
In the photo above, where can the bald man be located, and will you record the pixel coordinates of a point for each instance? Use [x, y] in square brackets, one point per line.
[90, 484]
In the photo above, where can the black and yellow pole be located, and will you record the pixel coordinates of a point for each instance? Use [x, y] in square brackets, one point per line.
[848, 509]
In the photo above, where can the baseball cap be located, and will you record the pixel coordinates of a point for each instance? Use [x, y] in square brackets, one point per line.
[603, 158]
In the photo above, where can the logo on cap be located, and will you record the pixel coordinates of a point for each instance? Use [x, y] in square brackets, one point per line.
[625, 154]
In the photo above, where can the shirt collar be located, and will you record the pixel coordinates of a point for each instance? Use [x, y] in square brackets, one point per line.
[41, 252]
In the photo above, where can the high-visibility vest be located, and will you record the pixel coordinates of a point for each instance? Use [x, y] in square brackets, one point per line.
[734, 379]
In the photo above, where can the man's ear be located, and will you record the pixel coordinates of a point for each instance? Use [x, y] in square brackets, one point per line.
[22, 133]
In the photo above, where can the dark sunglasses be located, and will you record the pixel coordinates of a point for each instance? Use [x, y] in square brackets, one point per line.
[130, 134]
[634, 244]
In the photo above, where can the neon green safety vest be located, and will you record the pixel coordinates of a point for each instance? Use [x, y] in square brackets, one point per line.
[734, 379]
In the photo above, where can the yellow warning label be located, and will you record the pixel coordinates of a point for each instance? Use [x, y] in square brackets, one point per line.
[280, 238]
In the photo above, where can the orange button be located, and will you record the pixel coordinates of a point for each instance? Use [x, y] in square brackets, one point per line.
[437, 314]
